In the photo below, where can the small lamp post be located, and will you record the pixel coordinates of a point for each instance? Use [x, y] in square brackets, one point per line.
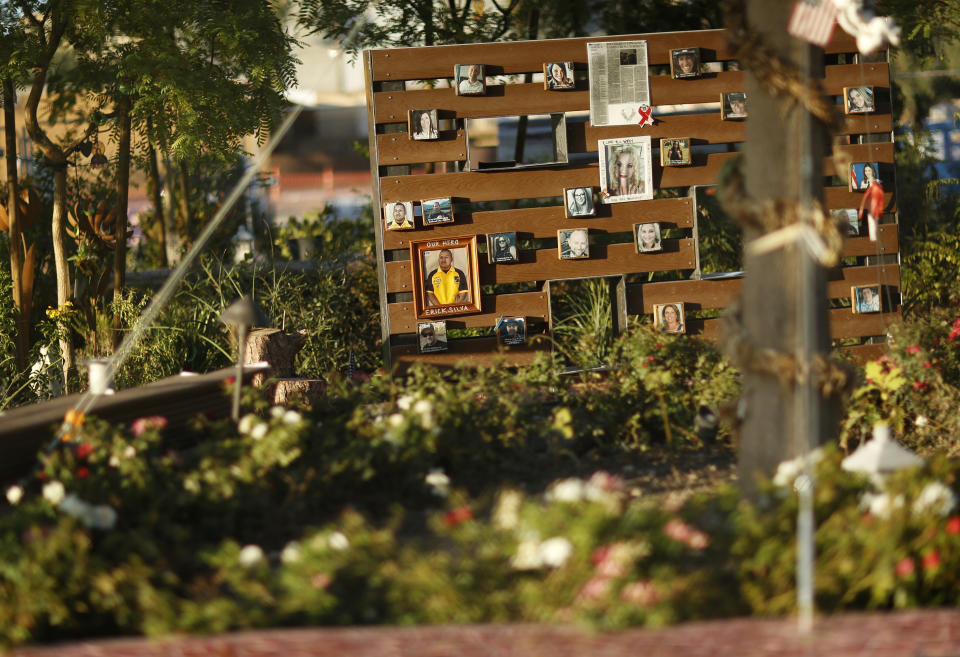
[242, 243]
[881, 456]
[242, 314]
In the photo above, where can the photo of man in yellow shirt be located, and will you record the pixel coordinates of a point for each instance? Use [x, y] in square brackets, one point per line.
[446, 284]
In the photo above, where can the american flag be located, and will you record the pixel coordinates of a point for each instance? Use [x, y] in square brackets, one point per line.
[813, 21]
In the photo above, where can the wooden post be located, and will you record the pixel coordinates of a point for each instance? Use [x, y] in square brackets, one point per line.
[784, 295]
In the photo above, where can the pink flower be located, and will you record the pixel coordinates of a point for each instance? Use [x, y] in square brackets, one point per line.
[953, 525]
[931, 560]
[913, 350]
[320, 581]
[596, 587]
[684, 533]
[140, 425]
[904, 567]
[606, 482]
[644, 594]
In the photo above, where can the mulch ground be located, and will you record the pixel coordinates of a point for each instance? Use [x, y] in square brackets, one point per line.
[925, 633]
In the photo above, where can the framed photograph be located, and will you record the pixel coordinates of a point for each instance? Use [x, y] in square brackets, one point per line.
[668, 318]
[398, 215]
[579, 202]
[865, 299]
[733, 106]
[432, 336]
[863, 175]
[858, 100]
[502, 247]
[573, 243]
[422, 125]
[558, 76]
[626, 172]
[674, 152]
[437, 211]
[446, 280]
[512, 330]
[685, 63]
[647, 237]
[470, 80]
[848, 217]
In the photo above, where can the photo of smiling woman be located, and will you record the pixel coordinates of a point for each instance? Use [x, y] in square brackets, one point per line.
[558, 76]
[625, 169]
[648, 237]
[668, 317]
[423, 125]
[858, 100]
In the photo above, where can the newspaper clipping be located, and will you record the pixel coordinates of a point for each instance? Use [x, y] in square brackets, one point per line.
[619, 81]
[625, 169]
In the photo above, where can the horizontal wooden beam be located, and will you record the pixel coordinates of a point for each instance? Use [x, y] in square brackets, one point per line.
[532, 305]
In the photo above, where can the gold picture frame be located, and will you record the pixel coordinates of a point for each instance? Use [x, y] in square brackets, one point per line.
[445, 284]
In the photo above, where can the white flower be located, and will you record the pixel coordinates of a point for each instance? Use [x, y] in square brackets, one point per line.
[338, 541]
[438, 482]
[291, 417]
[507, 513]
[555, 551]
[101, 516]
[129, 452]
[14, 495]
[527, 556]
[54, 492]
[395, 420]
[567, 490]
[290, 553]
[881, 505]
[250, 555]
[789, 470]
[259, 431]
[935, 497]
[404, 403]
[277, 412]
[424, 408]
[247, 423]
[114, 461]
[921, 421]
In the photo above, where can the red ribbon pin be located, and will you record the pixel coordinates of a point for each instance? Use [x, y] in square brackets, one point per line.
[646, 115]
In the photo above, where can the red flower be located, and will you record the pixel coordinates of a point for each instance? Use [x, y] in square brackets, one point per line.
[458, 515]
[919, 385]
[913, 350]
[904, 567]
[84, 450]
[953, 525]
[651, 359]
[927, 365]
[83, 472]
[931, 560]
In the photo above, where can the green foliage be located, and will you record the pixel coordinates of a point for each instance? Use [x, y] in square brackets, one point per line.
[582, 321]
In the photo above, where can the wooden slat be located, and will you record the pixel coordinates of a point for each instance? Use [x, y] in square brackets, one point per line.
[544, 264]
[532, 305]
[398, 148]
[423, 63]
[862, 353]
[887, 243]
[473, 352]
[844, 323]
[532, 98]
[840, 280]
[836, 198]
[544, 222]
[697, 294]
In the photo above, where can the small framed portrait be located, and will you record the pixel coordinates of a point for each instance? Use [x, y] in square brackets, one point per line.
[685, 63]
[733, 106]
[626, 172]
[579, 202]
[847, 217]
[573, 243]
[668, 318]
[470, 80]
[674, 152]
[446, 279]
[858, 100]
[865, 299]
[398, 215]
[422, 125]
[512, 330]
[437, 211]
[558, 76]
[863, 176]
[432, 336]
[502, 247]
[647, 237]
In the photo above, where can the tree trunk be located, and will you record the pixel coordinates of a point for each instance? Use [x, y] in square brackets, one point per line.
[183, 199]
[22, 336]
[153, 182]
[120, 226]
[60, 261]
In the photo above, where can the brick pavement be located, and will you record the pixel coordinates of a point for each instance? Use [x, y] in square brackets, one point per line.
[924, 633]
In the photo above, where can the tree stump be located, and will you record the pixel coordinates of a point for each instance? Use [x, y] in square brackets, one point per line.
[275, 347]
[305, 390]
